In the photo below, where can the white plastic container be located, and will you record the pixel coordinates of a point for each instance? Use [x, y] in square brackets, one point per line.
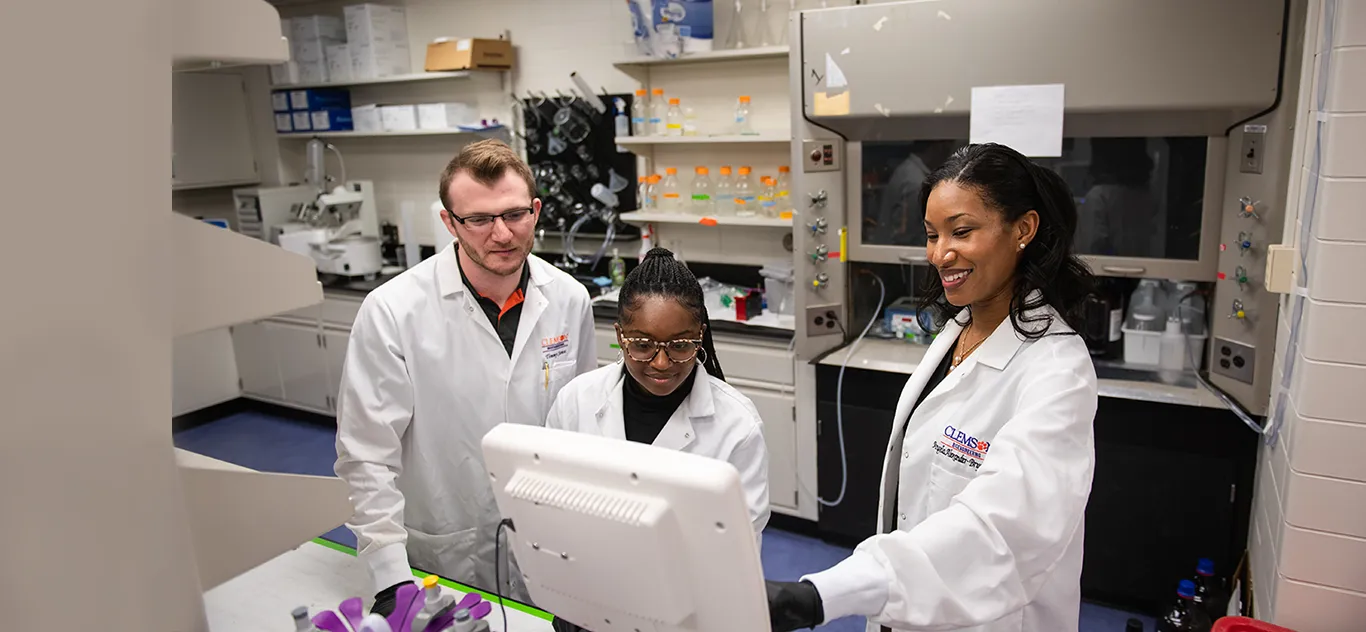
[1144, 348]
[779, 284]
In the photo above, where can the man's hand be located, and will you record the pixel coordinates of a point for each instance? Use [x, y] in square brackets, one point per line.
[794, 606]
[384, 601]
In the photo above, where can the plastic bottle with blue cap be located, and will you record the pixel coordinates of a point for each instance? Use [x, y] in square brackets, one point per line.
[1185, 615]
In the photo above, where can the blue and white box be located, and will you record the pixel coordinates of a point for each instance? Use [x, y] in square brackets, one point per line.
[302, 121]
[279, 101]
[331, 120]
[319, 99]
[284, 122]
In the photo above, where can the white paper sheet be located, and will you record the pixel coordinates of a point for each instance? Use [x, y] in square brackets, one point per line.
[834, 77]
[1027, 119]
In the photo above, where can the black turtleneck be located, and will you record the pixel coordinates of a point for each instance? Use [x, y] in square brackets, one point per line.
[646, 414]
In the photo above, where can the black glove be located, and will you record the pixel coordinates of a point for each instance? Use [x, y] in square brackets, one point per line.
[794, 606]
[384, 601]
[560, 625]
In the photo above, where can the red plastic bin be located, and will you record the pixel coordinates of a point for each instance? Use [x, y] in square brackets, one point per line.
[1244, 624]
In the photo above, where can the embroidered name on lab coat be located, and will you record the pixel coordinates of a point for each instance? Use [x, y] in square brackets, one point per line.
[555, 347]
[960, 447]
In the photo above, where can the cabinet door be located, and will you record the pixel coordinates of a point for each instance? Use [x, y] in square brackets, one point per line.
[210, 131]
[780, 435]
[303, 365]
[334, 348]
[257, 366]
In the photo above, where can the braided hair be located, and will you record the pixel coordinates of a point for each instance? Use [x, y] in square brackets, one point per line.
[661, 275]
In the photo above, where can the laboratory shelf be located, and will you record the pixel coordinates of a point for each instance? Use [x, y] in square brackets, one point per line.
[416, 132]
[775, 138]
[653, 217]
[743, 54]
[417, 76]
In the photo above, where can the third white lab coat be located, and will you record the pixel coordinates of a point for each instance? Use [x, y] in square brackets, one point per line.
[425, 377]
[986, 528]
[714, 421]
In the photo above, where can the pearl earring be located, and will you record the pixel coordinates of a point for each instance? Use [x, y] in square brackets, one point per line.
[1022, 246]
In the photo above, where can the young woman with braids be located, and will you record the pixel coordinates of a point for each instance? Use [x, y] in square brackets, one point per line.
[668, 389]
[988, 472]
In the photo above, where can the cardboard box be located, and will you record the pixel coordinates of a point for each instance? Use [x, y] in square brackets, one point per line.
[339, 63]
[317, 27]
[398, 118]
[375, 61]
[466, 53]
[445, 115]
[284, 74]
[331, 120]
[284, 123]
[365, 118]
[376, 25]
[313, 71]
[308, 51]
[319, 99]
[302, 122]
[279, 101]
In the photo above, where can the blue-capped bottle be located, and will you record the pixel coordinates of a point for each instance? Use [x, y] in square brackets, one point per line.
[1185, 615]
[1209, 590]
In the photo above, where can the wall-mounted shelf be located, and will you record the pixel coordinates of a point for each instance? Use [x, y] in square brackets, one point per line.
[743, 54]
[419, 76]
[734, 139]
[418, 132]
[654, 217]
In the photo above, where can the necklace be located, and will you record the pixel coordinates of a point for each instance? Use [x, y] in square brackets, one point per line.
[958, 357]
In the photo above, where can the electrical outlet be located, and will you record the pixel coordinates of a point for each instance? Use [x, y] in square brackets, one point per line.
[1234, 360]
[823, 320]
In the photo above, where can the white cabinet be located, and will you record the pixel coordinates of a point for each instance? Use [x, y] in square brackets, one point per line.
[257, 367]
[303, 365]
[211, 133]
[334, 349]
[780, 436]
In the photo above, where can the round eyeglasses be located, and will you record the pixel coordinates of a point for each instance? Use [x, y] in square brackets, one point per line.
[646, 349]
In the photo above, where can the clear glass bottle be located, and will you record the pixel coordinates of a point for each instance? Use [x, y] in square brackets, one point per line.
[669, 201]
[725, 192]
[689, 121]
[658, 111]
[746, 205]
[744, 121]
[643, 193]
[640, 114]
[674, 118]
[652, 192]
[702, 203]
[765, 197]
[783, 190]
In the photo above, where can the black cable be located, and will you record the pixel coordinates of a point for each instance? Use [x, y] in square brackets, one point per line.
[1280, 72]
[497, 568]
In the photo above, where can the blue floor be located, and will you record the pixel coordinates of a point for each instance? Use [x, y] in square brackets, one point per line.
[274, 444]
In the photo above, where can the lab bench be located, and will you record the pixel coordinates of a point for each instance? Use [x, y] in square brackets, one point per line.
[320, 575]
[1173, 479]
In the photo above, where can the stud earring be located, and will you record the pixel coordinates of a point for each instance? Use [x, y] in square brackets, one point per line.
[1022, 246]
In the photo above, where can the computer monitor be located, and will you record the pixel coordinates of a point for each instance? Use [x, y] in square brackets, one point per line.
[616, 536]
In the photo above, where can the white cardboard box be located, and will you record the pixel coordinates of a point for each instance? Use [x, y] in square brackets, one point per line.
[445, 115]
[302, 122]
[313, 71]
[317, 27]
[284, 122]
[339, 63]
[311, 49]
[376, 24]
[284, 74]
[365, 118]
[374, 61]
[398, 118]
[279, 101]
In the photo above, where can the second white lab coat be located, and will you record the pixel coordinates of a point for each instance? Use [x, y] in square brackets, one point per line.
[715, 421]
[426, 376]
[983, 495]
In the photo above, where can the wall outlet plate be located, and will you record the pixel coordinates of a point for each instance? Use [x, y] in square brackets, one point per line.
[823, 320]
[1234, 360]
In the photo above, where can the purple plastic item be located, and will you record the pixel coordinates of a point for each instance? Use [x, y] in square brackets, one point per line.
[482, 610]
[469, 601]
[354, 610]
[442, 621]
[406, 607]
[328, 620]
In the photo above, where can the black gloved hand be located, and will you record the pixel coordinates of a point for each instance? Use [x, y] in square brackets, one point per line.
[794, 606]
[384, 601]
[560, 625]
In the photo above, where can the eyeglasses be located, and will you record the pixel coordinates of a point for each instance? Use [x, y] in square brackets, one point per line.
[481, 222]
[646, 349]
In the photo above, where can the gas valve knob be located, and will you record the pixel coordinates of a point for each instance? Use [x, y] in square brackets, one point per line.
[819, 198]
[818, 227]
[1247, 208]
[821, 280]
[821, 254]
[1244, 242]
[1238, 312]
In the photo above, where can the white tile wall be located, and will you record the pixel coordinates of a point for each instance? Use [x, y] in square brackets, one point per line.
[1329, 448]
[1324, 558]
[1351, 25]
[1345, 93]
[1326, 504]
[1322, 330]
[1335, 193]
[1314, 608]
[1335, 267]
[1344, 155]
[1329, 391]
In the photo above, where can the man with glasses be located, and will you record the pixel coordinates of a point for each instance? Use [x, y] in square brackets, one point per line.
[483, 333]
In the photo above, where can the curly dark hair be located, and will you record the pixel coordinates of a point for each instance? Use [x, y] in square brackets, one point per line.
[1013, 185]
[660, 274]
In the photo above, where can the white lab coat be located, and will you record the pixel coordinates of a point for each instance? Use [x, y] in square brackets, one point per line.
[425, 378]
[715, 421]
[995, 469]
